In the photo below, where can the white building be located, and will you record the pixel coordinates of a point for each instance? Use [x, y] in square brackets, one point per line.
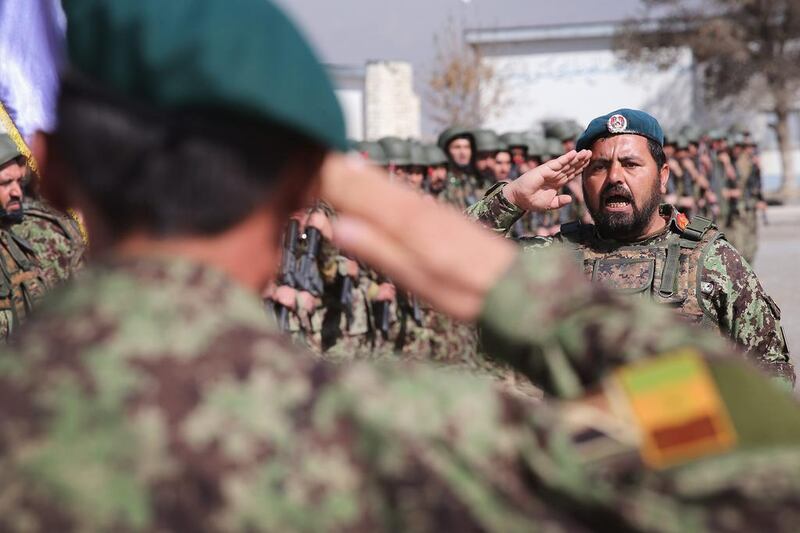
[391, 105]
[349, 84]
[572, 72]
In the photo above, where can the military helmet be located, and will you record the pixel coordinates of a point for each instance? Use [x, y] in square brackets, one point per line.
[536, 146]
[417, 155]
[740, 127]
[452, 133]
[434, 155]
[563, 130]
[692, 134]
[716, 134]
[8, 149]
[553, 148]
[681, 142]
[487, 141]
[396, 150]
[514, 140]
[738, 139]
[373, 151]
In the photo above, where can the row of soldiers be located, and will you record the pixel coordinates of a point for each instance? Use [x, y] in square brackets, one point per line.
[342, 308]
[152, 395]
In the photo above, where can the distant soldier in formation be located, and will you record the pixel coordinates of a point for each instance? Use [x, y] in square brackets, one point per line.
[459, 146]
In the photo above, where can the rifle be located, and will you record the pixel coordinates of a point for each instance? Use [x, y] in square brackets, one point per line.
[381, 310]
[346, 298]
[287, 272]
[308, 276]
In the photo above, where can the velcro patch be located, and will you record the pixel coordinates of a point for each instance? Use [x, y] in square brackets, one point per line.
[676, 404]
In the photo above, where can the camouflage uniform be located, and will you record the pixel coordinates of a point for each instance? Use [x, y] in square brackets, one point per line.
[151, 394]
[22, 282]
[55, 238]
[460, 191]
[689, 267]
[348, 333]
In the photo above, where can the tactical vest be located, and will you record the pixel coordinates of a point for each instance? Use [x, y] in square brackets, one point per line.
[67, 225]
[21, 283]
[667, 271]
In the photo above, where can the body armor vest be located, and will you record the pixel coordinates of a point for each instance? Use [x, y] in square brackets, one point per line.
[21, 284]
[67, 225]
[667, 270]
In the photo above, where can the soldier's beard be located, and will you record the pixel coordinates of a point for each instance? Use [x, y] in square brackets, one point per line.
[12, 217]
[624, 225]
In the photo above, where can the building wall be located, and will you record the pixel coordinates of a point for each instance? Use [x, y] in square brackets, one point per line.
[391, 105]
[581, 79]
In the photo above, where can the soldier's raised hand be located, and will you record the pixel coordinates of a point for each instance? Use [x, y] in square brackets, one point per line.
[539, 188]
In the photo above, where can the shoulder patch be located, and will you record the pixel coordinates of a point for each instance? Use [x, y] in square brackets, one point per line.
[677, 407]
[681, 220]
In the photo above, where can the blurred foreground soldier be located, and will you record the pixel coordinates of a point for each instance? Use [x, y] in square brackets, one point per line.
[640, 246]
[22, 281]
[150, 394]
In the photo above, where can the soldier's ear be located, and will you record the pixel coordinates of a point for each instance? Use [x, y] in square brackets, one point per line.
[663, 177]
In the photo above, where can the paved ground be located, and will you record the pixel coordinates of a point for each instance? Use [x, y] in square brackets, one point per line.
[778, 266]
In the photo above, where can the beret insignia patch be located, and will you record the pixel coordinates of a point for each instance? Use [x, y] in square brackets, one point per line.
[617, 124]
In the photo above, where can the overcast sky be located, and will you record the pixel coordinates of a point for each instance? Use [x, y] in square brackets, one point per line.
[352, 32]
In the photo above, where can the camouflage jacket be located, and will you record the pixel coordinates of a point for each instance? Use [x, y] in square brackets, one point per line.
[152, 394]
[22, 282]
[460, 190]
[55, 238]
[689, 267]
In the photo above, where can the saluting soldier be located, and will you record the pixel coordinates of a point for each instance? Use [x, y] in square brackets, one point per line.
[151, 394]
[639, 246]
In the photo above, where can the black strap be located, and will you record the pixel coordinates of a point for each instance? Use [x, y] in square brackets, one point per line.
[670, 274]
[697, 228]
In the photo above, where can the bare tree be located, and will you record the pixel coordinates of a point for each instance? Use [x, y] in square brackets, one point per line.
[462, 89]
[741, 46]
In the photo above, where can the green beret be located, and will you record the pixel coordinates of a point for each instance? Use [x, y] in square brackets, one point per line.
[8, 149]
[621, 121]
[452, 133]
[434, 155]
[487, 141]
[397, 151]
[243, 56]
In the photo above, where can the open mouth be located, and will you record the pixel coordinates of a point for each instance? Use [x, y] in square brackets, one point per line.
[617, 202]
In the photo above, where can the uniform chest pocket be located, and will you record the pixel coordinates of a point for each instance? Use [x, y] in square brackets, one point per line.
[628, 276]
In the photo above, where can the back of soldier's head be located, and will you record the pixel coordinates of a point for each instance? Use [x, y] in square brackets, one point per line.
[177, 130]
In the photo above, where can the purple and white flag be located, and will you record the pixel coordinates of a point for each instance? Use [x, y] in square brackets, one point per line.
[32, 51]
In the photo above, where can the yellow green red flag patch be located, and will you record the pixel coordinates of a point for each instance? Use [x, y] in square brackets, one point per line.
[677, 407]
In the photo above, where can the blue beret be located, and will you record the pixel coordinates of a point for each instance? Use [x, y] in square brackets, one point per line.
[243, 56]
[621, 121]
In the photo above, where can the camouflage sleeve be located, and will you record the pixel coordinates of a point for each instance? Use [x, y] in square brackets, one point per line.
[734, 298]
[544, 319]
[494, 211]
